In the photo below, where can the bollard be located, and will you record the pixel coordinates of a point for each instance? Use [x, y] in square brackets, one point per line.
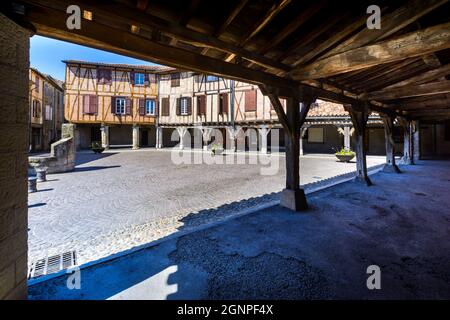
[41, 175]
[32, 185]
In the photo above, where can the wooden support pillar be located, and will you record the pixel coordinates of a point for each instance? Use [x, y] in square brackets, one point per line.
[390, 165]
[292, 197]
[359, 115]
[408, 143]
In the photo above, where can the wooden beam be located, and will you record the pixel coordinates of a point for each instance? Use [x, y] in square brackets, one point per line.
[391, 23]
[410, 45]
[224, 25]
[193, 5]
[270, 14]
[303, 16]
[410, 91]
[143, 20]
[52, 23]
[424, 77]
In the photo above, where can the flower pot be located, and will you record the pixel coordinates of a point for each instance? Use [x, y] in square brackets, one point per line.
[98, 150]
[345, 157]
[32, 184]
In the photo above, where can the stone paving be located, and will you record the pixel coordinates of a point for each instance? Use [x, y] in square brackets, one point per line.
[122, 199]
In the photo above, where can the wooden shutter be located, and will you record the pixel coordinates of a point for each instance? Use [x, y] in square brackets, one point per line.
[178, 106]
[146, 79]
[85, 101]
[128, 105]
[201, 105]
[165, 107]
[142, 107]
[223, 103]
[113, 105]
[104, 76]
[189, 105]
[93, 104]
[175, 80]
[250, 100]
[156, 107]
[132, 77]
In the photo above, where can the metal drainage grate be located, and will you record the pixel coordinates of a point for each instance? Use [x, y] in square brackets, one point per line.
[52, 264]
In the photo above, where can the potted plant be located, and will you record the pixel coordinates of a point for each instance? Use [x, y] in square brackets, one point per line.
[216, 149]
[345, 155]
[97, 147]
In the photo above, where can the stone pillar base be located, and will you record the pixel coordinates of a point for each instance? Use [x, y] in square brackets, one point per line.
[391, 168]
[294, 200]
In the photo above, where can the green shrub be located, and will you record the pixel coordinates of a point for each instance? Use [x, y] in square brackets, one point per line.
[344, 152]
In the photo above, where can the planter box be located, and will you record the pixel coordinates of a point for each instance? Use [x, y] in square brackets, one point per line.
[345, 158]
[98, 150]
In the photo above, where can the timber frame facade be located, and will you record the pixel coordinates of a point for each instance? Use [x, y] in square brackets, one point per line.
[46, 96]
[184, 101]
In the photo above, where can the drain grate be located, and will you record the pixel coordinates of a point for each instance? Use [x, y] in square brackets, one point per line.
[52, 264]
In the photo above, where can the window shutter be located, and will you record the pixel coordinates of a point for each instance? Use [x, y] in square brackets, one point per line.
[93, 104]
[250, 100]
[128, 106]
[223, 103]
[100, 76]
[165, 107]
[156, 107]
[142, 107]
[189, 105]
[86, 101]
[178, 106]
[132, 77]
[146, 79]
[107, 76]
[201, 105]
[113, 105]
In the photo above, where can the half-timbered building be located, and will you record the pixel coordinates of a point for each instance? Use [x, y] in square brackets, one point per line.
[113, 103]
[46, 110]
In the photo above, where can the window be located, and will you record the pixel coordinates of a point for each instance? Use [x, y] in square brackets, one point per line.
[36, 109]
[184, 106]
[175, 80]
[139, 79]
[315, 135]
[37, 84]
[150, 106]
[48, 112]
[447, 130]
[120, 106]
[211, 78]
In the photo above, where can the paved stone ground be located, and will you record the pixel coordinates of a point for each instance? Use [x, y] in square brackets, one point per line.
[401, 224]
[122, 199]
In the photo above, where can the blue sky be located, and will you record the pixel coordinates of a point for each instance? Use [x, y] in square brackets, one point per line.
[46, 55]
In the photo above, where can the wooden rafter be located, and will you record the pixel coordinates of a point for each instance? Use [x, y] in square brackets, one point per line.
[410, 91]
[230, 17]
[193, 5]
[424, 77]
[392, 23]
[410, 45]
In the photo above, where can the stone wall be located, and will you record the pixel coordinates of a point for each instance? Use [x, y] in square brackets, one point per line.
[14, 64]
[62, 154]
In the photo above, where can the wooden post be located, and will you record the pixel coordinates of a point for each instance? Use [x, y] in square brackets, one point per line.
[408, 143]
[359, 115]
[390, 165]
[298, 105]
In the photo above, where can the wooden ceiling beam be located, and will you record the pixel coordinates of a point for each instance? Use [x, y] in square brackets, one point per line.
[193, 5]
[407, 46]
[302, 17]
[230, 18]
[424, 77]
[126, 15]
[410, 91]
[51, 23]
[391, 23]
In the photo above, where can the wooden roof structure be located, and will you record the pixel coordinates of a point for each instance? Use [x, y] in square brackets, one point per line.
[324, 45]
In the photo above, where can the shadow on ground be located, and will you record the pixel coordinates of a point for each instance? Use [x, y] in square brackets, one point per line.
[278, 254]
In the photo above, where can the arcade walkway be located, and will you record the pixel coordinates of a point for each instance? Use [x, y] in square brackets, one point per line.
[401, 224]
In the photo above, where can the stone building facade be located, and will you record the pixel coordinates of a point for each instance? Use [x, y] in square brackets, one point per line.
[46, 110]
[14, 72]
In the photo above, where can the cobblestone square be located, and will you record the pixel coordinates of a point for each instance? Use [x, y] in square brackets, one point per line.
[122, 198]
